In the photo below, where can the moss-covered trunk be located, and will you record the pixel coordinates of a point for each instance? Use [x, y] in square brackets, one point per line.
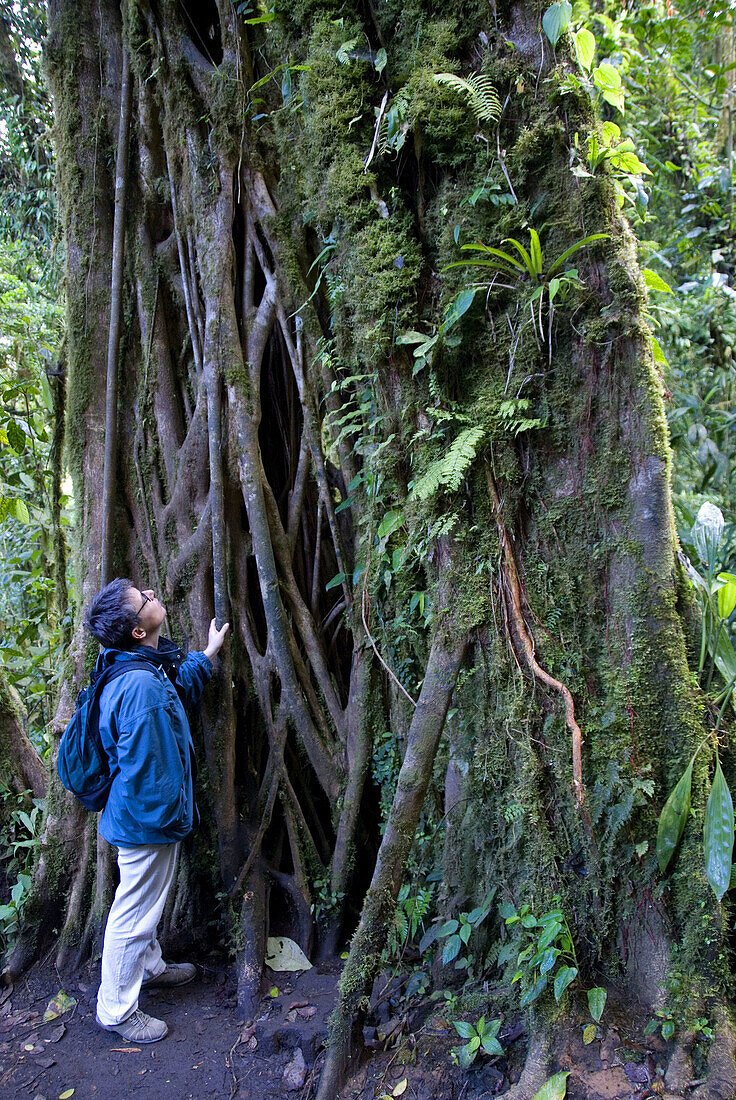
[298, 186]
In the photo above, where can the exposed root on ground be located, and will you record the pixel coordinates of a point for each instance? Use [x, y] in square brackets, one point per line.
[534, 1073]
[720, 1081]
[680, 1068]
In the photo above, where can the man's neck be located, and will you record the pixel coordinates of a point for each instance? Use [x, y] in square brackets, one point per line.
[151, 639]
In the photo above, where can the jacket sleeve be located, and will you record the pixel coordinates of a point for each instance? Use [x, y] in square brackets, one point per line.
[194, 673]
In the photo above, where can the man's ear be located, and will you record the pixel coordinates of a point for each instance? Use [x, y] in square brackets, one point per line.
[138, 633]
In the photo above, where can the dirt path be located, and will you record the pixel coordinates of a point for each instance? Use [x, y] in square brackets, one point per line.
[207, 1053]
[210, 1053]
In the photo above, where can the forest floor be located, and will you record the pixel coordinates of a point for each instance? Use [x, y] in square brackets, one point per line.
[209, 1052]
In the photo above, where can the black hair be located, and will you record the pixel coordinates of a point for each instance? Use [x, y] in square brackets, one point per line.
[111, 616]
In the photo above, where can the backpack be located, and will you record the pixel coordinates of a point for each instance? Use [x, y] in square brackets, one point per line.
[82, 762]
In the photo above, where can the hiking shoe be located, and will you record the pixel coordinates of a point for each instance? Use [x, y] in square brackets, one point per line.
[174, 974]
[138, 1028]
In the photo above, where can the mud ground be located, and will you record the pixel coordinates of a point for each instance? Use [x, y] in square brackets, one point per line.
[209, 1052]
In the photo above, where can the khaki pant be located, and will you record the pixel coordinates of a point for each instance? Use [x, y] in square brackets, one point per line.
[131, 952]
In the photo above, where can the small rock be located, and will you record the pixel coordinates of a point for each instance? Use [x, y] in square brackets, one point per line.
[295, 1073]
[637, 1074]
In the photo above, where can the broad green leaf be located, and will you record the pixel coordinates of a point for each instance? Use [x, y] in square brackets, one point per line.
[585, 49]
[464, 1028]
[554, 1089]
[657, 354]
[556, 20]
[465, 1056]
[668, 1029]
[451, 949]
[596, 1002]
[550, 933]
[615, 98]
[548, 960]
[607, 77]
[448, 928]
[411, 337]
[725, 657]
[336, 580]
[491, 1045]
[563, 978]
[390, 523]
[655, 281]
[429, 938]
[626, 161]
[19, 509]
[460, 304]
[589, 1033]
[673, 818]
[531, 994]
[474, 1043]
[380, 60]
[726, 594]
[718, 834]
[16, 436]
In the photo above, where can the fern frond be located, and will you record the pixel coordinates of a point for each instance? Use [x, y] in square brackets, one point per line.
[450, 470]
[481, 95]
[343, 55]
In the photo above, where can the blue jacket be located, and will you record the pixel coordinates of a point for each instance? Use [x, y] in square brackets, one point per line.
[145, 733]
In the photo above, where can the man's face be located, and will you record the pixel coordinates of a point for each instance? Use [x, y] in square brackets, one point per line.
[151, 612]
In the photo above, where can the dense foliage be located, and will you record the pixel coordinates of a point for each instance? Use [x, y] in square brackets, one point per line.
[32, 585]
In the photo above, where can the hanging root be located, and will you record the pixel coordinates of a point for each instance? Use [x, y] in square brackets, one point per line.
[524, 646]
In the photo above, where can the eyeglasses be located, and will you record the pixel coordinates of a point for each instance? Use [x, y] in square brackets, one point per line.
[146, 599]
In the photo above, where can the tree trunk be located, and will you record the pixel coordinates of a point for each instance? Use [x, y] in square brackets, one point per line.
[287, 462]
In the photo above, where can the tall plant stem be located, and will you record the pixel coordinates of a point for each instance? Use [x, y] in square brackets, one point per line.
[113, 344]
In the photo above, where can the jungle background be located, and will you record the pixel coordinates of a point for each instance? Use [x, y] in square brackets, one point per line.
[387, 171]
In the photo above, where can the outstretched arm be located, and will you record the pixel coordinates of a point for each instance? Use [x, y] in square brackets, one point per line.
[197, 668]
[215, 640]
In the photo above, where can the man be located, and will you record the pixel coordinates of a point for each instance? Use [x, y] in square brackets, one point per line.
[145, 732]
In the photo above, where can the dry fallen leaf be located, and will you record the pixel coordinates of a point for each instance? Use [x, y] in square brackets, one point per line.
[125, 1050]
[56, 1034]
[247, 1033]
[284, 954]
[66, 1094]
[57, 1006]
[307, 1012]
[401, 1088]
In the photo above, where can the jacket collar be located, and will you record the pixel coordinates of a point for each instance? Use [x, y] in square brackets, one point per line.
[168, 656]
